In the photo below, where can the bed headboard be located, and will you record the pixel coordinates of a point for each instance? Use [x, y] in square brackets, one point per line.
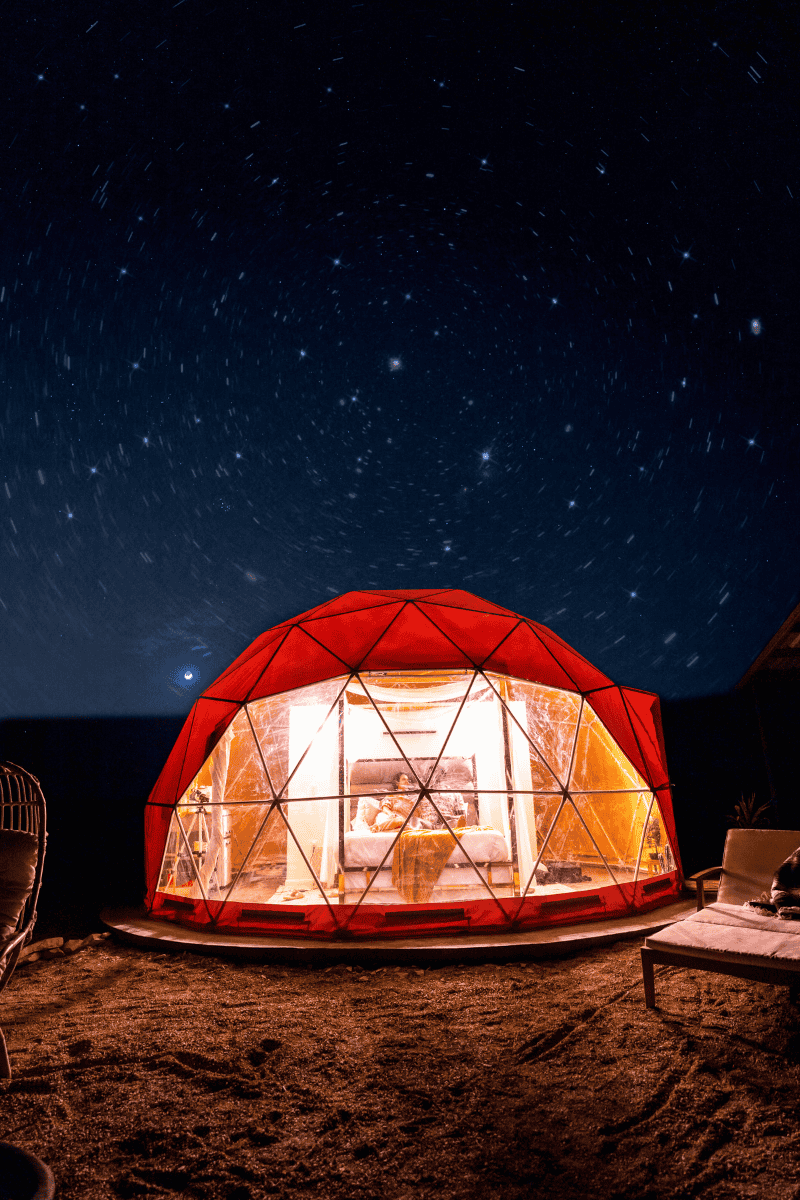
[376, 774]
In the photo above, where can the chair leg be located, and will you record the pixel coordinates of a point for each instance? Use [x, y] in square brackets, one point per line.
[647, 978]
[5, 1065]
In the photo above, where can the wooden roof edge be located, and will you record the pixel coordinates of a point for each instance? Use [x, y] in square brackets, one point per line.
[772, 644]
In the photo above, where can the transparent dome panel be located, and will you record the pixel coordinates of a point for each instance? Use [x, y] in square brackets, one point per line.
[615, 821]
[285, 726]
[550, 720]
[259, 856]
[600, 765]
[572, 860]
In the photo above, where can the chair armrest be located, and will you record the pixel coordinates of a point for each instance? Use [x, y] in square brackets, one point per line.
[699, 877]
[709, 871]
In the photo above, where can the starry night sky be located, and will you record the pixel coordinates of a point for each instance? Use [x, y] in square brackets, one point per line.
[297, 298]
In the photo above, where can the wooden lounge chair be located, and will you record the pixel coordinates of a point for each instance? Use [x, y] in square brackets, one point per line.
[725, 937]
[23, 836]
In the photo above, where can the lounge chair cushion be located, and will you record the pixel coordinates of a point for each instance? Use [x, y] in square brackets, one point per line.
[733, 933]
[18, 855]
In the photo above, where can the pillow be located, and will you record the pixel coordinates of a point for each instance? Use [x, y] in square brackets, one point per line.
[368, 809]
[18, 854]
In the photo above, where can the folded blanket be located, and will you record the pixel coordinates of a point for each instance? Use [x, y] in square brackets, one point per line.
[784, 898]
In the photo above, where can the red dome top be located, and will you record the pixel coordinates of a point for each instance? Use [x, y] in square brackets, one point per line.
[390, 630]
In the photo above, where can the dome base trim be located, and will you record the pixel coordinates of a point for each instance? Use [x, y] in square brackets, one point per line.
[133, 925]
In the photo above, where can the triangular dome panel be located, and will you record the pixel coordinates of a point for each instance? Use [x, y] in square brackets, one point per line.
[615, 822]
[576, 666]
[599, 763]
[466, 602]
[644, 710]
[352, 639]
[237, 683]
[476, 635]
[258, 859]
[549, 718]
[342, 606]
[299, 662]
[412, 638]
[573, 855]
[259, 652]
[524, 653]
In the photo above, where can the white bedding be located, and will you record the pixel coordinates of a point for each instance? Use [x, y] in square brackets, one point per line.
[368, 849]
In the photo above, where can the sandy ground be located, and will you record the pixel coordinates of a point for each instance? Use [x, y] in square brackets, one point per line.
[162, 1075]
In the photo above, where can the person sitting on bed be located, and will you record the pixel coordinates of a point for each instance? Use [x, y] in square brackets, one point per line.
[397, 804]
[453, 809]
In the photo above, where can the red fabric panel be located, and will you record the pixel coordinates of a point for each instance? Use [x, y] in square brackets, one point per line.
[475, 634]
[258, 652]
[413, 593]
[523, 655]
[600, 904]
[369, 920]
[577, 667]
[652, 893]
[180, 909]
[319, 918]
[348, 603]
[645, 713]
[353, 635]
[299, 662]
[453, 598]
[413, 640]
[237, 683]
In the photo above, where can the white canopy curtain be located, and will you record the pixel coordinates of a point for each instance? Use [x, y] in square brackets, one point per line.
[419, 718]
[314, 822]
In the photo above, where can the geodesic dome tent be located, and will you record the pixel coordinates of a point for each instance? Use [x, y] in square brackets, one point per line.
[394, 761]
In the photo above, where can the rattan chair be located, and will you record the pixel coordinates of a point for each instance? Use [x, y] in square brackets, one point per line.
[23, 836]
